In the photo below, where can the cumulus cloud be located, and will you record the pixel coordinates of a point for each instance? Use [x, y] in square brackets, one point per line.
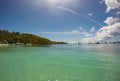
[108, 32]
[92, 29]
[113, 25]
[111, 20]
[112, 4]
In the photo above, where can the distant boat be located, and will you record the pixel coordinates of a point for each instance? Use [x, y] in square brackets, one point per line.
[79, 43]
[97, 43]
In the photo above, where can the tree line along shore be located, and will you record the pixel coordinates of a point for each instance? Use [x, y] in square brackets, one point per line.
[17, 38]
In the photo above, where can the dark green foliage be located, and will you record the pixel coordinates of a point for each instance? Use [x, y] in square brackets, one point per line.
[15, 37]
[59, 43]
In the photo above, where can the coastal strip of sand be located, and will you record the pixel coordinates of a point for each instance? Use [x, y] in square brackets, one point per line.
[4, 44]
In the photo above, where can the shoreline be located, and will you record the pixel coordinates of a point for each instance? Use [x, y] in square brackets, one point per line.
[4, 44]
[25, 44]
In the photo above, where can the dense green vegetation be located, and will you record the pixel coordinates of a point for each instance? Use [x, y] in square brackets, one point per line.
[23, 38]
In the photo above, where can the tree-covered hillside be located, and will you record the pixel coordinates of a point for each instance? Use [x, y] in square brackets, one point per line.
[17, 37]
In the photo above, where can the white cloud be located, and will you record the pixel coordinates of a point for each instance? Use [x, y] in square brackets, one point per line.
[112, 4]
[89, 14]
[104, 33]
[113, 25]
[108, 32]
[118, 12]
[101, 1]
[88, 40]
[92, 29]
[74, 32]
[80, 28]
[111, 20]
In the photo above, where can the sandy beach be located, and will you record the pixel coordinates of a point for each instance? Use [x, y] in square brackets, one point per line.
[4, 44]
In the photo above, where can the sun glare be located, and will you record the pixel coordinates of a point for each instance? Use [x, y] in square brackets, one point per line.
[65, 2]
[54, 1]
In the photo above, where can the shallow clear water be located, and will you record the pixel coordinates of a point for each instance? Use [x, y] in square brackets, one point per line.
[60, 63]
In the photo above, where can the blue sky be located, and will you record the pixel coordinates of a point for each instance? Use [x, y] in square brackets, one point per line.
[61, 20]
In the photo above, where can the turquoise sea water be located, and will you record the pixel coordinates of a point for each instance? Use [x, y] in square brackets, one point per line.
[60, 63]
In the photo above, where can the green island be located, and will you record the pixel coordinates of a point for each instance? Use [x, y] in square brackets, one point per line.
[17, 38]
